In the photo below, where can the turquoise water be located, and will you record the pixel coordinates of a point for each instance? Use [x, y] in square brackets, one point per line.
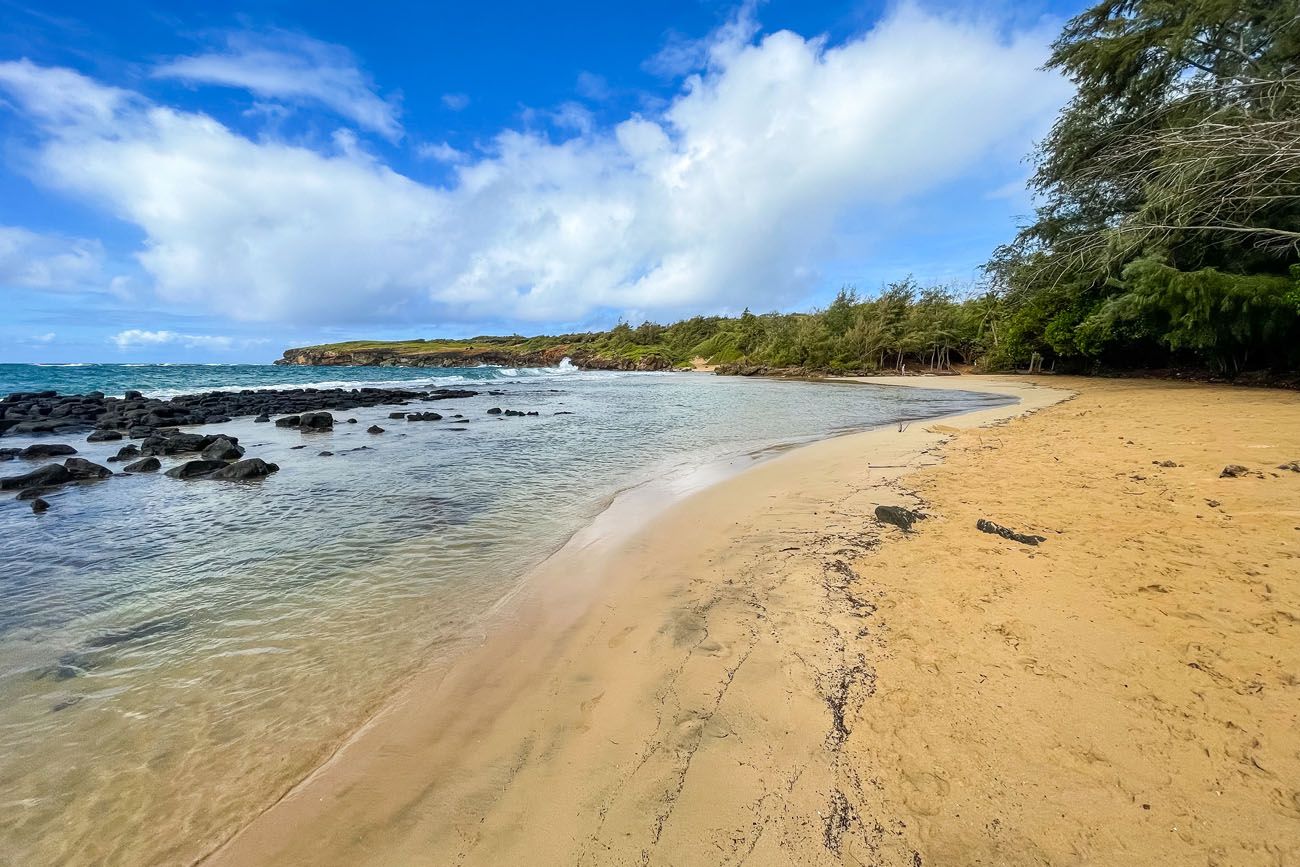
[167, 380]
[174, 654]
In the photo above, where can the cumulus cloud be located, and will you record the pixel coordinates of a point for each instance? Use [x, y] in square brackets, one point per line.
[727, 197]
[30, 260]
[135, 338]
[293, 68]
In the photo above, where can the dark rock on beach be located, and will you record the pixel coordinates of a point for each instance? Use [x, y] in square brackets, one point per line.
[222, 449]
[988, 526]
[423, 416]
[126, 453]
[82, 469]
[374, 429]
[39, 505]
[46, 450]
[50, 474]
[34, 493]
[103, 436]
[147, 465]
[316, 421]
[195, 469]
[1232, 471]
[251, 468]
[898, 516]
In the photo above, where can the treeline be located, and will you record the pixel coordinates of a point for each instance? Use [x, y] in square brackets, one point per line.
[1168, 223]
[904, 324]
[1167, 232]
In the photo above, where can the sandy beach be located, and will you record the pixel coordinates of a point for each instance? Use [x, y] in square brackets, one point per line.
[765, 674]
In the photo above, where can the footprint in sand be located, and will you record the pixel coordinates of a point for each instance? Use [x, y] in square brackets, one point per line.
[617, 640]
[925, 792]
[709, 647]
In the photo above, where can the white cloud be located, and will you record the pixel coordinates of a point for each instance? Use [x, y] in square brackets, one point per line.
[730, 196]
[134, 338]
[295, 68]
[443, 153]
[29, 260]
[47, 337]
[456, 101]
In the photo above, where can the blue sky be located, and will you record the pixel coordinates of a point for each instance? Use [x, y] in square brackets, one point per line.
[217, 185]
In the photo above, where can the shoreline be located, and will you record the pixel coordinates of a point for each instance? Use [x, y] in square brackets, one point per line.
[764, 674]
[548, 608]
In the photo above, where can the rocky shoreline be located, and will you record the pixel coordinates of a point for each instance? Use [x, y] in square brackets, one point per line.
[156, 422]
[136, 416]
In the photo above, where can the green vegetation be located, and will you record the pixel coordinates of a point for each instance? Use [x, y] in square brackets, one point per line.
[1168, 230]
[1170, 193]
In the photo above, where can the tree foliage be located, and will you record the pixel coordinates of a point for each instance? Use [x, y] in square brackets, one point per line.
[1169, 190]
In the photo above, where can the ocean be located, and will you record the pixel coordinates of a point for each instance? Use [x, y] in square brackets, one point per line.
[175, 654]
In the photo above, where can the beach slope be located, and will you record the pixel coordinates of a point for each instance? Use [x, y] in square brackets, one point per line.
[766, 674]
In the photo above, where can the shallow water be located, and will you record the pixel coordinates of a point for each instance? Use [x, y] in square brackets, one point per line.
[174, 654]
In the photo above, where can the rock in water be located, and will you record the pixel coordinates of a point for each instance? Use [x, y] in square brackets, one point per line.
[50, 474]
[251, 468]
[222, 450]
[148, 465]
[46, 450]
[288, 421]
[262, 418]
[496, 410]
[125, 453]
[195, 469]
[374, 429]
[316, 421]
[1232, 471]
[1007, 533]
[84, 469]
[103, 436]
[39, 505]
[896, 515]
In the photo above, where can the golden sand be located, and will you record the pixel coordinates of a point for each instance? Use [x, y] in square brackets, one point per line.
[765, 674]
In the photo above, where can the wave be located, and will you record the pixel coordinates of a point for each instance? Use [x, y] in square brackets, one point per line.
[480, 375]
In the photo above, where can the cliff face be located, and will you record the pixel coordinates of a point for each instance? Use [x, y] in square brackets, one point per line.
[325, 356]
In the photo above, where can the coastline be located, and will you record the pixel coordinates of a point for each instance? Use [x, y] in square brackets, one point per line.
[764, 674]
[442, 713]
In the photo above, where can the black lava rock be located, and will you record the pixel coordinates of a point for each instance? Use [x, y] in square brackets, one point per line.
[80, 468]
[250, 468]
[897, 515]
[50, 474]
[988, 526]
[147, 465]
[46, 450]
[195, 469]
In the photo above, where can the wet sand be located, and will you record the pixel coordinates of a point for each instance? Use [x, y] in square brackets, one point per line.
[765, 674]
